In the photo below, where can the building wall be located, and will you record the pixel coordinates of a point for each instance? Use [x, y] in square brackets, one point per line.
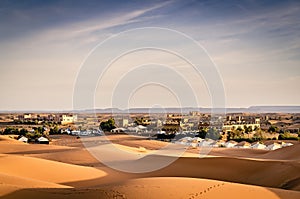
[68, 119]
[27, 116]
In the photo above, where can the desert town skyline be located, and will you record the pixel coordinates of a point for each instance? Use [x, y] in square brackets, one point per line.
[124, 156]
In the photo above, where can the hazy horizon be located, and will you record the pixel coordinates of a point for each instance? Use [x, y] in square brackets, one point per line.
[260, 109]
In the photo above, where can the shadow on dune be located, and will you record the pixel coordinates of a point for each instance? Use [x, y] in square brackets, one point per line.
[263, 173]
[60, 193]
[37, 151]
[281, 170]
[276, 174]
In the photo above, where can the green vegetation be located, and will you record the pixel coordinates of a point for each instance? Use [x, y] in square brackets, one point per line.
[165, 136]
[23, 132]
[235, 134]
[211, 133]
[54, 130]
[138, 121]
[141, 121]
[250, 140]
[39, 129]
[10, 131]
[33, 135]
[108, 125]
[239, 135]
[38, 132]
[287, 136]
[202, 133]
[248, 129]
[273, 129]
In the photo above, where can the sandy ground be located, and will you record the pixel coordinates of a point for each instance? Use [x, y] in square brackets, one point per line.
[66, 169]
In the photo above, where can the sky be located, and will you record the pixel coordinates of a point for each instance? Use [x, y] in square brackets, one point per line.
[45, 46]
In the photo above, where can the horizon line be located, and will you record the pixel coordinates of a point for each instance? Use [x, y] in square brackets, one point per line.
[159, 108]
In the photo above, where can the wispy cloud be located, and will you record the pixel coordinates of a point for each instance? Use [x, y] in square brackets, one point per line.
[94, 29]
[121, 19]
[255, 47]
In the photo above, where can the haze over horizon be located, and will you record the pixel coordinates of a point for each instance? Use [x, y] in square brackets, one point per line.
[254, 44]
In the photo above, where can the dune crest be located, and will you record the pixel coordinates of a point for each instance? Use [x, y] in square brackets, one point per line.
[46, 170]
[50, 171]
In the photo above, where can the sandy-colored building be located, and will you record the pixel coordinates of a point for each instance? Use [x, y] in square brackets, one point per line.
[240, 124]
[68, 119]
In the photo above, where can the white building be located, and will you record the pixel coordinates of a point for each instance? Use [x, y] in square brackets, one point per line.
[27, 116]
[274, 146]
[141, 128]
[118, 130]
[43, 140]
[258, 146]
[283, 144]
[68, 119]
[23, 139]
[230, 144]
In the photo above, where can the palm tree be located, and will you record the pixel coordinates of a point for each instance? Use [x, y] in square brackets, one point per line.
[247, 130]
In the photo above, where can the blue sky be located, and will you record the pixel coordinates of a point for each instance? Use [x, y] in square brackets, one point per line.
[255, 45]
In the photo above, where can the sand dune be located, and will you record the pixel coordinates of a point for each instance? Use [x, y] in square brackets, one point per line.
[48, 171]
[270, 174]
[10, 183]
[25, 148]
[18, 181]
[287, 153]
[77, 156]
[152, 188]
[192, 188]
[247, 171]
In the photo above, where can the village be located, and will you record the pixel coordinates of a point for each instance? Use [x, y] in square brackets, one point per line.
[194, 129]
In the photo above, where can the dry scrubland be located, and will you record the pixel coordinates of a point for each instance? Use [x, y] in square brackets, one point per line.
[65, 169]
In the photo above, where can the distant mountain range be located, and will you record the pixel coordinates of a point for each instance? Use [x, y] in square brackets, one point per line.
[251, 109]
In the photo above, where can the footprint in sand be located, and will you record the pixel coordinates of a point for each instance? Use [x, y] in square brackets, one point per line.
[205, 190]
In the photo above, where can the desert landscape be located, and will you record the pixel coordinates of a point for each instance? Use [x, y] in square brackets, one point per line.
[173, 99]
[66, 169]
